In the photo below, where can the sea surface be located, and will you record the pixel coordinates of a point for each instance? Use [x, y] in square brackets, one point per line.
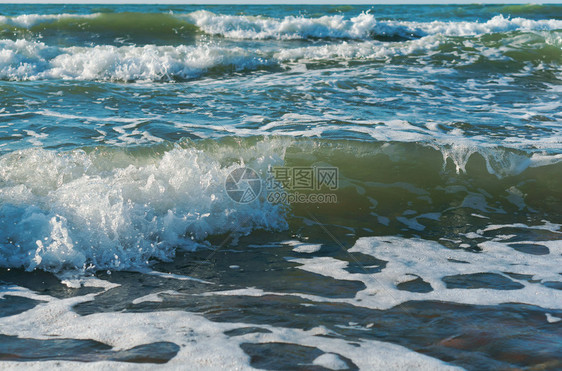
[281, 187]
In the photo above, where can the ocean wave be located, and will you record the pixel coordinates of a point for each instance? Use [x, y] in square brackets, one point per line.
[112, 208]
[30, 20]
[117, 209]
[363, 26]
[102, 28]
[365, 50]
[542, 10]
[34, 60]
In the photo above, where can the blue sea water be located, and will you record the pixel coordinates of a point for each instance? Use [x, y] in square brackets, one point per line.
[281, 187]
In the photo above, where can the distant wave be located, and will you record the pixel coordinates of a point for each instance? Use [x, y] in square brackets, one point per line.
[161, 47]
[30, 20]
[34, 60]
[545, 10]
[101, 28]
[364, 26]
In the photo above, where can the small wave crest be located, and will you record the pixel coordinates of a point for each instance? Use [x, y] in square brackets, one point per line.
[30, 20]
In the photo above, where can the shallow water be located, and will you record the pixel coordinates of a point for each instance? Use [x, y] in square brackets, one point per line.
[281, 187]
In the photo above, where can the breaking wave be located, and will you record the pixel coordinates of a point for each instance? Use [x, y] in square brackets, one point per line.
[35, 60]
[111, 208]
[363, 26]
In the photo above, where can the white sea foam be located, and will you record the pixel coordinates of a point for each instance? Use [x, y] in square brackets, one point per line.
[362, 50]
[34, 60]
[306, 248]
[330, 361]
[30, 20]
[77, 210]
[154, 298]
[191, 333]
[408, 259]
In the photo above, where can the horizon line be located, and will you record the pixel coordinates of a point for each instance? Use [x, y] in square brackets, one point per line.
[280, 2]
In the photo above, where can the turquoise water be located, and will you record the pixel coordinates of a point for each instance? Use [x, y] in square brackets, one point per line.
[155, 205]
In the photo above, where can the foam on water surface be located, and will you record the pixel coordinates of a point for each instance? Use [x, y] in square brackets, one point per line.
[191, 332]
[520, 277]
